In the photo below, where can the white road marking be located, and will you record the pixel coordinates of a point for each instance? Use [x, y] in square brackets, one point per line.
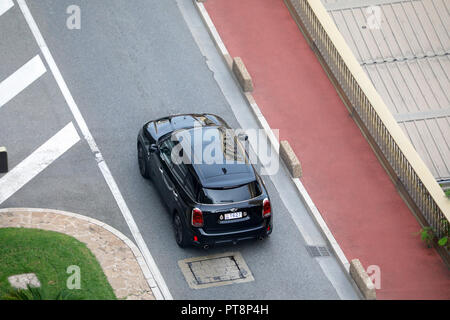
[21, 79]
[156, 281]
[5, 5]
[38, 161]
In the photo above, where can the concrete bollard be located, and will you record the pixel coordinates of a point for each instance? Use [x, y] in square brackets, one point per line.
[290, 159]
[362, 280]
[241, 73]
[3, 160]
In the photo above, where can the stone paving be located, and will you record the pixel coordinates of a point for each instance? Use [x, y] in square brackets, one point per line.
[120, 259]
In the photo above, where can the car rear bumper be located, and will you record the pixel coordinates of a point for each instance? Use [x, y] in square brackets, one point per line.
[231, 237]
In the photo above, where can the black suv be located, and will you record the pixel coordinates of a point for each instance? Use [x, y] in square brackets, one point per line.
[212, 201]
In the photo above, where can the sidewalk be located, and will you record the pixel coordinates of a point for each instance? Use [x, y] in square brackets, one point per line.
[341, 173]
[117, 255]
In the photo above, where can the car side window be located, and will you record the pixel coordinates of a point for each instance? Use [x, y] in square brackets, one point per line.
[191, 185]
[179, 171]
[165, 149]
[185, 179]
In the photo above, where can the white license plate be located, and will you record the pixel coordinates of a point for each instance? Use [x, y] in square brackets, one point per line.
[233, 215]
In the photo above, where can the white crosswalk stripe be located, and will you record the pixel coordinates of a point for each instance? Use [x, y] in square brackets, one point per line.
[38, 161]
[21, 79]
[5, 5]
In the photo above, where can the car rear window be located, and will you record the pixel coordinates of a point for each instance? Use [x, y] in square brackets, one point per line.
[240, 193]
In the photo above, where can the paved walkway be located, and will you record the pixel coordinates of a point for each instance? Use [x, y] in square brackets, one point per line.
[341, 173]
[120, 259]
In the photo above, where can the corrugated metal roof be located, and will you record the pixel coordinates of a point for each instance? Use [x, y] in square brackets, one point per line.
[405, 52]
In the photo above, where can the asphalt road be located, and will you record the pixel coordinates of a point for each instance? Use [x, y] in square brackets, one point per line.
[132, 61]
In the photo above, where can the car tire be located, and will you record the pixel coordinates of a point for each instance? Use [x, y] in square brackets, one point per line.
[180, 231]
[142, 162]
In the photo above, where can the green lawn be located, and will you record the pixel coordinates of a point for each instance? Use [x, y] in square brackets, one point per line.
[48, 254]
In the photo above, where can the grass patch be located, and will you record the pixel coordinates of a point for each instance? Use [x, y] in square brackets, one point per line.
[48, 254]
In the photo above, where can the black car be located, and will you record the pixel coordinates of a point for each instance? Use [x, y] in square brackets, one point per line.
[210, 202]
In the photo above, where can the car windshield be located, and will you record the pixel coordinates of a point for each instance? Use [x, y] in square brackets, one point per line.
[241, 193]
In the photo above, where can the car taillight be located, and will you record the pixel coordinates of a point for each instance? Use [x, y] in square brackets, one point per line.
[266, 208]
[197, 217]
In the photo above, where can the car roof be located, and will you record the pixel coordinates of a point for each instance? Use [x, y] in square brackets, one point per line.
[219, 160]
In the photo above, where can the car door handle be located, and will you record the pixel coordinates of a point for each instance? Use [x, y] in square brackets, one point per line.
[175, 193]
[161, 169]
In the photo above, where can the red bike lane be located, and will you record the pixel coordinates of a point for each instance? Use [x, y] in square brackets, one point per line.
[341, 173]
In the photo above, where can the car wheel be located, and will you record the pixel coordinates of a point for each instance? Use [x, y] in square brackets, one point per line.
[180, 232]
[142, 162]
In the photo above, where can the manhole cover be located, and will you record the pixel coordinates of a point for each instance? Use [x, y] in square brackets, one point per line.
[215, 270]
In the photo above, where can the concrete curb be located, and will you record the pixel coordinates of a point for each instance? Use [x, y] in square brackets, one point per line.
[306, 199]
[134, 249]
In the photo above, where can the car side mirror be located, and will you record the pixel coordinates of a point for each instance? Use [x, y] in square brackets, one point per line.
[153, 148]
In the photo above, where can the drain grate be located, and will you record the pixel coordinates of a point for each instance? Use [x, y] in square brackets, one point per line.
[318, 251]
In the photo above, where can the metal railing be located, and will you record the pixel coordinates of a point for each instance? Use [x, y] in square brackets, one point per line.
[378, 120]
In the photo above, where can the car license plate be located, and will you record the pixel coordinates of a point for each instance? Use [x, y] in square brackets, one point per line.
[233, 215]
